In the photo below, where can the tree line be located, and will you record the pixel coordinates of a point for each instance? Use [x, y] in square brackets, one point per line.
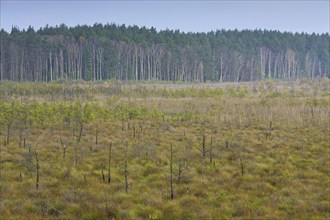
[103, 52]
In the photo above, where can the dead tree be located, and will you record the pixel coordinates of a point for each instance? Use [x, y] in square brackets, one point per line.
[241, 162]
[227, 143]
[268, 131]
[96, 135]
[20, 138]
[171, 173]
[210, 152]
[109, 162]
[64, 147]
[182, 168]
[203, 146]
[38, 167]
[103, 177]
[204, 150]
[78, 133]
[64, 150]
[125, 169]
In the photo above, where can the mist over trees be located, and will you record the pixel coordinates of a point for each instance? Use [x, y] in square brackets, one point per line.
[103, 52]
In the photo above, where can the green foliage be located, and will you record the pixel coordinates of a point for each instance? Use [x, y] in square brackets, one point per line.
[81, 113]
[214, 93]
[155, 113]
[236, 92]
[222, 55]
[183, 116]
[133, 113]
[314, 102]
[9, 111]
[192, 93]
[130, 113]
[274, 94]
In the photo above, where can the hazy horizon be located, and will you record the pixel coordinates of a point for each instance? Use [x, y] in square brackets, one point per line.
[186, 16]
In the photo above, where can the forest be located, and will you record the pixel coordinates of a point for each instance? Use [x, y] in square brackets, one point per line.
[132, 53]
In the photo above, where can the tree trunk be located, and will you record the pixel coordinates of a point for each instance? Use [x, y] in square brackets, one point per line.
[125, 170]
[171, 173]
[109, 163]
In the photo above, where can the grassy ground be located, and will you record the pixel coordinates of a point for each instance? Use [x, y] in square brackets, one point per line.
[266, 151]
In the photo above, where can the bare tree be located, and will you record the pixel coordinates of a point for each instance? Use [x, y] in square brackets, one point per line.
[171, 173]
[109, 163]
[125, 168]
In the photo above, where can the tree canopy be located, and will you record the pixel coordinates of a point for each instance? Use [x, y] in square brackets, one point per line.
[102, 52]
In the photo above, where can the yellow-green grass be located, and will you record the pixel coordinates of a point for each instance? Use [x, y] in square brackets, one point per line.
[286, 166]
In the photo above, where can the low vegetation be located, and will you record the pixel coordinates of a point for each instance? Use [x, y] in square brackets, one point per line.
[79, 150]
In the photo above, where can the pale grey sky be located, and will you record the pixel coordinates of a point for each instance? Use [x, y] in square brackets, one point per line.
[195, 16]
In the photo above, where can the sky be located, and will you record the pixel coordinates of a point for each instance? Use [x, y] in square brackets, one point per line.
[188, 16]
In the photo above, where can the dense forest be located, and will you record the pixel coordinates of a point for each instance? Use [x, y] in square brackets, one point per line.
[102, 52]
